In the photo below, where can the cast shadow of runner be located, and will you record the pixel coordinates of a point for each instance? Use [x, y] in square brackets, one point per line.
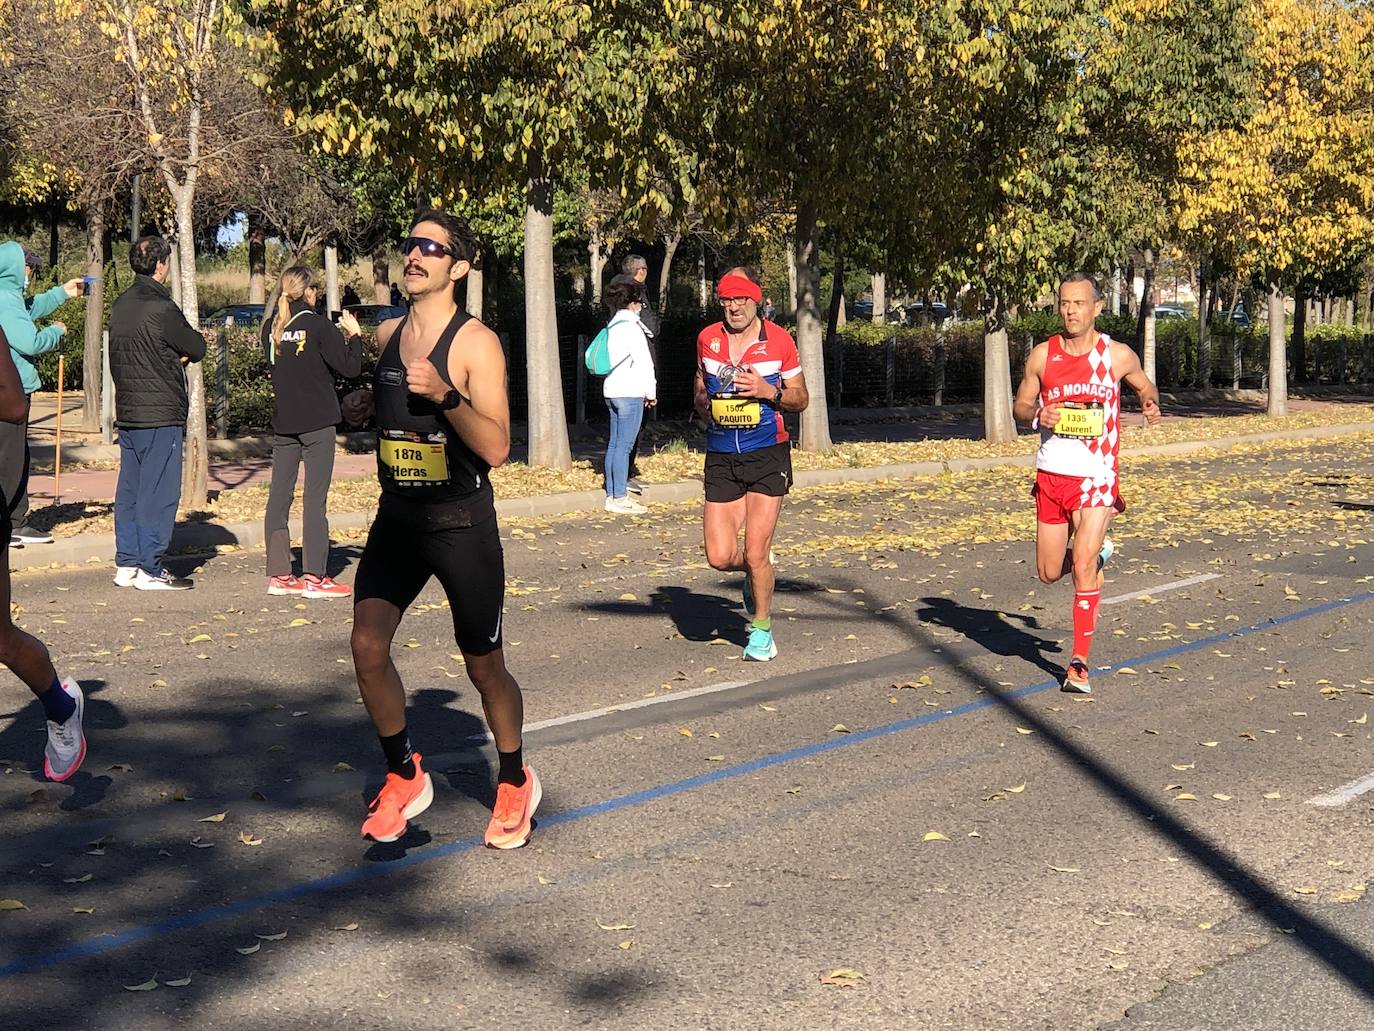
[696, 615]
[993, 631]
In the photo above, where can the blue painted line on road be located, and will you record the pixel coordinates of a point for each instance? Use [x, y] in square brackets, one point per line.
[291, 893]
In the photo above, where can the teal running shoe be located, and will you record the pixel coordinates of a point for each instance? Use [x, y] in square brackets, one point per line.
[760, 647]
[1108, 550]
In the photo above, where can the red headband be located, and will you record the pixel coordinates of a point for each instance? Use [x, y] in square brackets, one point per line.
[735, 285]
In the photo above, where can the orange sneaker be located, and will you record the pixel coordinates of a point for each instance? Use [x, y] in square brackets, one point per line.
[513, 814]
[398, 801]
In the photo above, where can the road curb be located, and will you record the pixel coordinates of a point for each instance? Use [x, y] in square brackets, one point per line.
[198, 536]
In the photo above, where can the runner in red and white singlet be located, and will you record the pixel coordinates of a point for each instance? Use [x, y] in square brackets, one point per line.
[1071, 392]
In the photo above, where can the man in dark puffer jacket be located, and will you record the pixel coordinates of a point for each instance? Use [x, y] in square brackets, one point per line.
[150, 343]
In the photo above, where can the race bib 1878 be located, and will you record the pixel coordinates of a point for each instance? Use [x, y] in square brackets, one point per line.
[411, 460]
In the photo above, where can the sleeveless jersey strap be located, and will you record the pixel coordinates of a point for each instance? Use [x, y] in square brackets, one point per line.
[439, 356]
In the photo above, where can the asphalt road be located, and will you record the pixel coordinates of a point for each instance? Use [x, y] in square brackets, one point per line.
[903, 794]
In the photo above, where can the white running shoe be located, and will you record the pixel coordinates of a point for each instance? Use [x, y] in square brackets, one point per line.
[625, 506]
[125, 576]
[66, 741]
[164, 581]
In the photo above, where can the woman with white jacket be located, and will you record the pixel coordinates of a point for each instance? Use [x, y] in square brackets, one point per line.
[628, 388]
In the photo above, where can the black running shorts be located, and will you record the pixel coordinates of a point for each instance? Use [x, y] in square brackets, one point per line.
[455, 541]
[729, 476]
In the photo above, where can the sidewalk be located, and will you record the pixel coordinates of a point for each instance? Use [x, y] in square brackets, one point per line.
[199, 535]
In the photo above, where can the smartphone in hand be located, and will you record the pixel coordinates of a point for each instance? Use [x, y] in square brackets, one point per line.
[87, 285]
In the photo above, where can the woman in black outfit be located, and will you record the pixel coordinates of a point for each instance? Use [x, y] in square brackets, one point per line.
[305, 351]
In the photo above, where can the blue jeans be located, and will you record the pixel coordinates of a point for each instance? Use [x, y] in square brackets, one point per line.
[145, 506]
[626, 415]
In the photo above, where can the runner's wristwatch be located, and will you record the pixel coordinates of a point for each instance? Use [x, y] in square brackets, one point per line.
[777, 398]
[451, 401]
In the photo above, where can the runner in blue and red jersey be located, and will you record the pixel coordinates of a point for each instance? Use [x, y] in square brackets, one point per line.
[748, 374]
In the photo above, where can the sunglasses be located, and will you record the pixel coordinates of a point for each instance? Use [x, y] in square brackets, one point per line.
[429, 248]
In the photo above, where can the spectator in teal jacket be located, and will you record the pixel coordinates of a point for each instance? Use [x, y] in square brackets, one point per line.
[27, 341]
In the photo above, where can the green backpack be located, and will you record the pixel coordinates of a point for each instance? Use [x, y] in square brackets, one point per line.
[598, 357]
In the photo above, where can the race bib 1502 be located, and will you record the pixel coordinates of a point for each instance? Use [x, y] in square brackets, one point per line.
[1082, 421]
[411, 460]
[736, 413]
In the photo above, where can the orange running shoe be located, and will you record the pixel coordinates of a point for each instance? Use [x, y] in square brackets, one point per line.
[398, 801]
[513, 814]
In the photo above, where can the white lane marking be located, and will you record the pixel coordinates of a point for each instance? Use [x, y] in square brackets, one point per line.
[731, 685]
[1172, 585]
[1343, 794]
[638, 703]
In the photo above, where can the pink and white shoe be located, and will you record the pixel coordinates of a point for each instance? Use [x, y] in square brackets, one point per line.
[66, 741]
[324, 587]
[285, 585]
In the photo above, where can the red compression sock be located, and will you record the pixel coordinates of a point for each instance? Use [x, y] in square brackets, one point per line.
[1084, 621]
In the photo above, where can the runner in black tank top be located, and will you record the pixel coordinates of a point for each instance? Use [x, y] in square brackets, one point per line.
[442, 421]
[420, 456]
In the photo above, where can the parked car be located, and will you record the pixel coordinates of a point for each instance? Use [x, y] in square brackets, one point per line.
[1168, 311]
[375, 314]
[937, 314]
[1240, 317]
[242, 314]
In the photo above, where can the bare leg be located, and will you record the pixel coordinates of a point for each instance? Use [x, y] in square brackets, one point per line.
[374, 625]
[1090, 529]
[24, 654]
[502, 702]
[761, 520]
[1051, 558]
[722, 522]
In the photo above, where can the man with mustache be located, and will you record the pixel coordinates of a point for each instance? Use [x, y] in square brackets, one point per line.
[443, 421]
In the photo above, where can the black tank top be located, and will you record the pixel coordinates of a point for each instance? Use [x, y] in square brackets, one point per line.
[420, 456]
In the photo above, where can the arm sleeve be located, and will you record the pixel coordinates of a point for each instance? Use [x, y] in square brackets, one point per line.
[44, 304]
[640, 349]
[180, 337]
[345, 357]
[49, 338]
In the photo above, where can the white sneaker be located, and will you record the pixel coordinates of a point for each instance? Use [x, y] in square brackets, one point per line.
[164, 581]
[624, 506]
[66, 741]
[125, 576]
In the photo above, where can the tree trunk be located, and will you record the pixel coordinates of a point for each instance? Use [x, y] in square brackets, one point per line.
[879, 298]
[790, 308]
[703, 287]
[257, 263]
[670, 245]
[332, 294]
[597, 260]
[1278, 362]
[53, 249]
[815, 421]
[1147, 304]
[1205, 289]
[1132, 305]
[1116, 292]
[381, 273]
[195, 468]
[998, 424]
[95, 315]
[1302, 305]
[832, 323]
[548, 423]
[473, 300]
